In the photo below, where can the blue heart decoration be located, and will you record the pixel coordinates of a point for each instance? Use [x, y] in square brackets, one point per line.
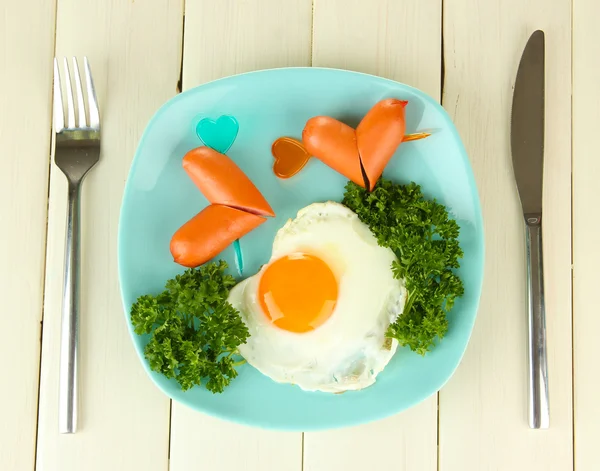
[218, 134]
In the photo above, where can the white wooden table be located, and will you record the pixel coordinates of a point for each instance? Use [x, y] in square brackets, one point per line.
[463, 52]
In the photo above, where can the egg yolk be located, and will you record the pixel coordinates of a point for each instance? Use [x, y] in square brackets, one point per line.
[298, 292]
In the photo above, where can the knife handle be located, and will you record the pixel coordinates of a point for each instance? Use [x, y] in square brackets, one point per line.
[539, 413]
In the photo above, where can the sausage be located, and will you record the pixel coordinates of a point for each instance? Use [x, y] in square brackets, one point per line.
[209, 232]
[378, 136]
[334, 143]
[221, 181]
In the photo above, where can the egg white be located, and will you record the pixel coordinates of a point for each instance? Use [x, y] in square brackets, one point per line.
[350, 349]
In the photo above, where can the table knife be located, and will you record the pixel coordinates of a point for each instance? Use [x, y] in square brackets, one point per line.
[527, 146]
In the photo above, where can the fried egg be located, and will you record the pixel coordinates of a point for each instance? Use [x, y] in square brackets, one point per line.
[318, 310]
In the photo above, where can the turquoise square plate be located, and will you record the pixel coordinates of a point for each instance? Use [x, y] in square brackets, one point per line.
[159, 198]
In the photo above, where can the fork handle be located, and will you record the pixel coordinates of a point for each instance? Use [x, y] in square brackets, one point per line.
[67, 407]
[539, 414]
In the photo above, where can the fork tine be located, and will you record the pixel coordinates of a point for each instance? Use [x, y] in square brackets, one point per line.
[79, 92]
[57, 109]
[70, 105]
[91, 93]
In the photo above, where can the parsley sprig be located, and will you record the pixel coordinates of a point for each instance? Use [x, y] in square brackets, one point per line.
[194, 331]
[425, 240]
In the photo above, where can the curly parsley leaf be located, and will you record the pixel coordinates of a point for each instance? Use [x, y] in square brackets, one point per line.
[194, 331]
[425, 240]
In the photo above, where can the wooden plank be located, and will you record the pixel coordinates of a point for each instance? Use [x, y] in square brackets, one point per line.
[224, 38]
[483, 409]
[216, 444]
[231, 37]
[134, 50]
[25, 84]
[407, 441]
[586, 231]
[396, 39]
[400, 40]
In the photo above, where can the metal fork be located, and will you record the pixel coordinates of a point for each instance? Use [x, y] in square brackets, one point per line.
[77, 149]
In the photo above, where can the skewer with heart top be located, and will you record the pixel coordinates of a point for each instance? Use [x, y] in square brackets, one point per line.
[359, 154]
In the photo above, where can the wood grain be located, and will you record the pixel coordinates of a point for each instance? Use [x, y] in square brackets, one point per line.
[400, 40]
[407, 441]
[396, 39]
[230, 37]
[225, 38]
[483, 409]
[134, 50]
[215, 444]
[586, 231]
[25, 94]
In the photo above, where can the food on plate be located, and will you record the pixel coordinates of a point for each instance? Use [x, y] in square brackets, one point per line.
[290, 157]
[361, 154]
[346, 285]
[334, 143]
[209, 232]
[194, 332]
[221, 181]
[237, 207]
[425, 240]
[319, 309]
[378, 136]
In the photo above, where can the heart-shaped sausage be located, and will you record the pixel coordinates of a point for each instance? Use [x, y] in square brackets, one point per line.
[334, 143]
[378, 136]
[237, 208]
[290, 157]
[223, 182]
[359, 155]
[209, 232]
[220, 134]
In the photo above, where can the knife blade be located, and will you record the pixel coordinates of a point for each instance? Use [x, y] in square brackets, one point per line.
[527, 147]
